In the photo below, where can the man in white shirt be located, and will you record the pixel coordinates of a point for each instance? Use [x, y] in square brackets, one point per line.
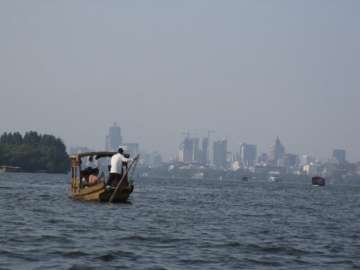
[116, 170]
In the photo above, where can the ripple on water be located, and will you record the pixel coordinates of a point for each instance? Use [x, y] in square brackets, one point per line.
[263, 262]
[18, 255]
[179, 225]
[81, 267]
[117, 255]
[152, 239]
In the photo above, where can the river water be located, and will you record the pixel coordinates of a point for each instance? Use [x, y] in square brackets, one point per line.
[190, 224]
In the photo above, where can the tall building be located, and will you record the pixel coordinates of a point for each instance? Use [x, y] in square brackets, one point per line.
[180, 155]
[220, 153]
[291, 161]
[339, 155]
[192, 150]
[197, 151]
[114, 139]
[205, 151]
[306, 159]
[188, 150]
[277, 152]
[248, 154]
[263, 158]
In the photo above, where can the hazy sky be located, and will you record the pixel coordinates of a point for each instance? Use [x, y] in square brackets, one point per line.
[251, 70]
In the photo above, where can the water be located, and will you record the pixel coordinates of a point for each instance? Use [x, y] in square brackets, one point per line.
[180, 225]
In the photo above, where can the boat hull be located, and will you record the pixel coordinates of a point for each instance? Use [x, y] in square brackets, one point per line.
[318, 181]
[101, 193]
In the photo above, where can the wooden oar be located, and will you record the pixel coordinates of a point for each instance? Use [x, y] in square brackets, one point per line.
[122, 178]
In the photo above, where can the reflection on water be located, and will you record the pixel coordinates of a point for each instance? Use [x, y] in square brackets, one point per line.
[180, 225]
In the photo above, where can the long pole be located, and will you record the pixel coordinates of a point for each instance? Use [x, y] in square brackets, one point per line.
[122, 179]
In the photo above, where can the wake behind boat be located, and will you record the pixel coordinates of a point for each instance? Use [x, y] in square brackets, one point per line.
[91, 183]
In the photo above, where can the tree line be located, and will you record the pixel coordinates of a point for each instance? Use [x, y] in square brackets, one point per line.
[34, 152]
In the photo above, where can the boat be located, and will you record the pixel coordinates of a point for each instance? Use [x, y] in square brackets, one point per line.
[98, 191]
[318, 181]
[274, 178]
[9, 169]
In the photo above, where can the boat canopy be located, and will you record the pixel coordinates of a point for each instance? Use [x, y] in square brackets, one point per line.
[97, 155]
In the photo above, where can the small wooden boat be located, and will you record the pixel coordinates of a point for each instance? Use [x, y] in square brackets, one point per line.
[318, 181]
[274, 178]
[9, 169]
[97, 191]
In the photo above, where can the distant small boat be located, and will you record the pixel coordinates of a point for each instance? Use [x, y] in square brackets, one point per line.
[9, 169]
[97, 191]
[273, 178]
[318, 181]
[245, 178]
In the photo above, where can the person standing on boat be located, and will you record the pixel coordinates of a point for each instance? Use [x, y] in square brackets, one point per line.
[116, 169]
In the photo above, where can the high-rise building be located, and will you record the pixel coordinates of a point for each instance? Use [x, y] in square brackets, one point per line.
[192, 150]
[291, 161]
[277, 152]
[220, 153]
[114, 139]
[205, 151]
[263, 159]
[197, 151]
[339, 155]
[180, 155]
[306, 159]
[188, 150]
[107, 143]
[248, 154]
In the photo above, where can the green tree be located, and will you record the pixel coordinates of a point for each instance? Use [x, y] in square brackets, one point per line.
[34, 152]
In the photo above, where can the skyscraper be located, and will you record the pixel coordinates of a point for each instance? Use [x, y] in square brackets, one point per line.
[339, 155]
[248, 154]
[114, 139]
[194, 150]
[205, 151]
[277, 152]
[220, 153]
[291, 160]
[197, 151]
[188, 151]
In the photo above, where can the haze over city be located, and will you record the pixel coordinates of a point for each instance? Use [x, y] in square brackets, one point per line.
[250, 70]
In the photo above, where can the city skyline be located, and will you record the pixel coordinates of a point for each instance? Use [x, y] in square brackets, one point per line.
[248, 154]
[197, 152]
